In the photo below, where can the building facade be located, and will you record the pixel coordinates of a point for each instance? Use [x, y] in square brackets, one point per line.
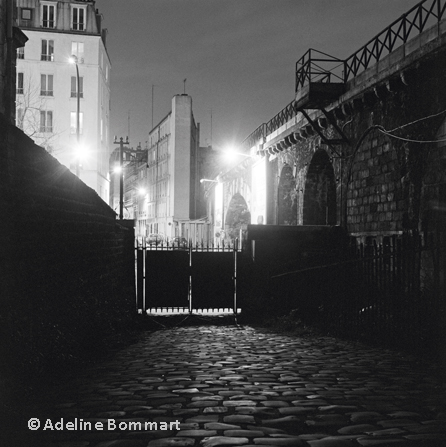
[11, 38]
[63, 86]
[166, 187]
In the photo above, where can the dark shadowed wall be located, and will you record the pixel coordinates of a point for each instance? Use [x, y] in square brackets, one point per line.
[66, 264]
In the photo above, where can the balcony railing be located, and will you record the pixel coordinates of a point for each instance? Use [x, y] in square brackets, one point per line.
[316, 66]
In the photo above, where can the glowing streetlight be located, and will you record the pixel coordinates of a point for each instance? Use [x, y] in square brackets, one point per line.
[73, 60]
[81, 152]
[231, 154]
[208, 180]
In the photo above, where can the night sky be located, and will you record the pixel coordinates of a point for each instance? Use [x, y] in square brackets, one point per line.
[238, 56]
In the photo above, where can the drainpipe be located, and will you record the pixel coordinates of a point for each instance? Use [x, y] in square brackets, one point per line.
[10, 82]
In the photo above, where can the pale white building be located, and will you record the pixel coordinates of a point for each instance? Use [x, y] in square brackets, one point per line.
[168, 204]
[47, 86]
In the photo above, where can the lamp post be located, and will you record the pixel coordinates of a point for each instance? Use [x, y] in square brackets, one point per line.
[121, 143]
[73, 60]
[218, 211]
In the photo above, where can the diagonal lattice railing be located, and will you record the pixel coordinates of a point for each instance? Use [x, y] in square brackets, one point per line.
[316, 66]
[422, 16]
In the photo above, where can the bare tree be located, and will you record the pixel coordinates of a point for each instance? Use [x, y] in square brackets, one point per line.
[31, 102]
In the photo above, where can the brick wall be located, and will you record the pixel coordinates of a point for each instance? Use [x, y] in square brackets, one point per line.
[66, 265]
[386, 185]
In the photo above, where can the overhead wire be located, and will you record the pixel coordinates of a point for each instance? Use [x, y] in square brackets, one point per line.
[385, 132]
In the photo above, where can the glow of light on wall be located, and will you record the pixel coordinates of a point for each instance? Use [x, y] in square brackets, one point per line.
[81, 151]
[219, 205]
[258, 213]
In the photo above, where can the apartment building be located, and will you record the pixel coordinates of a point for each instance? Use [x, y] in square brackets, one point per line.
[63, 86]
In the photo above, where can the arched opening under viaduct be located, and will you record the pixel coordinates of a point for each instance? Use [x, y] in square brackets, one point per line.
[287, 197]
[319, 206]
[237, 215]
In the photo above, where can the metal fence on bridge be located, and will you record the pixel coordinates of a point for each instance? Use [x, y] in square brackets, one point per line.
[315, 66]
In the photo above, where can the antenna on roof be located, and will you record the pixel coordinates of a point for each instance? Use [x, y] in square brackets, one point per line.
[152, 106]
[128, 124]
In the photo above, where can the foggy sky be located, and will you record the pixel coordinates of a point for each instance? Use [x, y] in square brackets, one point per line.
[238, 56]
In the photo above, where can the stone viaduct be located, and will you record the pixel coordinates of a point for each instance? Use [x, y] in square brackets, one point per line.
[363, 143]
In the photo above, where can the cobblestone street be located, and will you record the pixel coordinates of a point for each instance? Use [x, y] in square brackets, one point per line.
[237, 385]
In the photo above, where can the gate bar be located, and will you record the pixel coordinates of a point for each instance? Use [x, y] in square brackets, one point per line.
[235, 276]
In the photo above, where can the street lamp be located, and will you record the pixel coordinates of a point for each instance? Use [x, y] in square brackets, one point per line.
[73, 60]
[208, 180]
[231, 154]
[121, 143]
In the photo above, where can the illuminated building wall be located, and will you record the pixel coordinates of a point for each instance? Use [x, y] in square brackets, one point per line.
[170, 180]
[47, 85]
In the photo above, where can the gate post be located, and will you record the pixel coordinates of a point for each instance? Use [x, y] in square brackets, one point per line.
[140, 276]
[235, 275]
[190, 277]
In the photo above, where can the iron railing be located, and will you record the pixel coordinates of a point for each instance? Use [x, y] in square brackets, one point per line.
[423, 15]
[281, 118]
[189, 278]
[389, 291]
[316, 66]
[201, 246]
[253, 138]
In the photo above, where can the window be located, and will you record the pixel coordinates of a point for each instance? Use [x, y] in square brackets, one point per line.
[77, 49]
[48, 14]
[47, 50]
[73, 121]
[21, 53]
[26, 17]
[20, 82]
[26, 14]
[46, 85]
[46, 121]
[74, 87]
[78, 14]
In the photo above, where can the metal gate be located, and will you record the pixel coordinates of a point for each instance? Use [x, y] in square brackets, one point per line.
[193, 279]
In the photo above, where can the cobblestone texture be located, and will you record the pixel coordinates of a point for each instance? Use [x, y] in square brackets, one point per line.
[229, 386]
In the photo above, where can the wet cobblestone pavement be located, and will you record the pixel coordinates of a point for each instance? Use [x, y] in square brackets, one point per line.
[237, 385]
